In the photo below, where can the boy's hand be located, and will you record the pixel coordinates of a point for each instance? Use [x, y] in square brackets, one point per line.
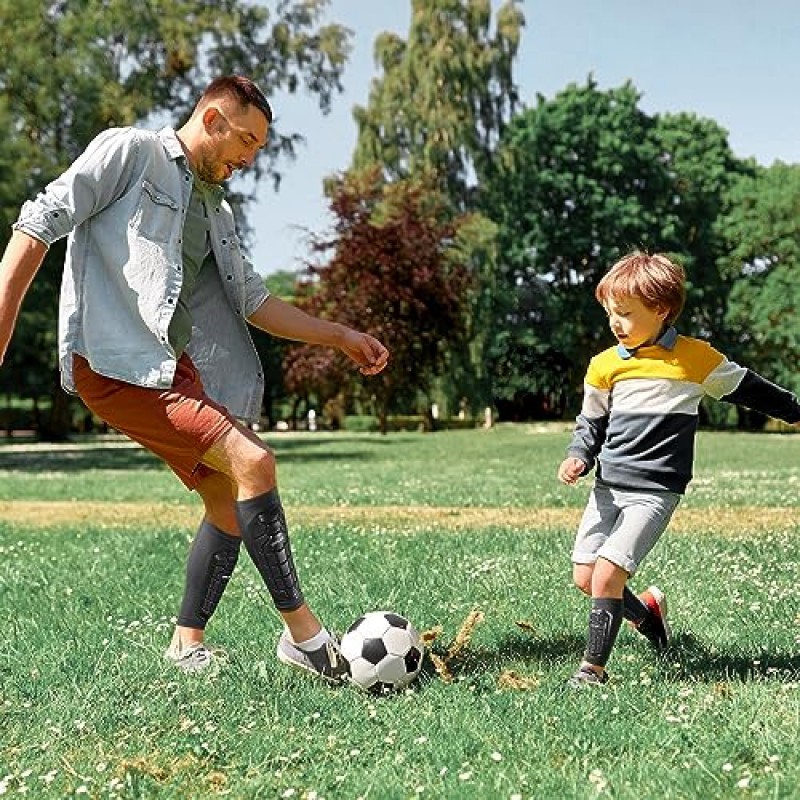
[570, 470]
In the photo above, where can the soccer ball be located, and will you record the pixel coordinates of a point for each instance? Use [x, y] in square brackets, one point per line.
[384, 651]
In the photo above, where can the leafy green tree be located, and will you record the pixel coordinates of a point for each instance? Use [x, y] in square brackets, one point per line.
[394, 264]
[71, 69]
[438, 107]
[761, 227]
[444, 95]
[579, 180]
[702, 169]
[283, 283]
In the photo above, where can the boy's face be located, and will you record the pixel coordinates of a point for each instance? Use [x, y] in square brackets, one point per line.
[634, 323]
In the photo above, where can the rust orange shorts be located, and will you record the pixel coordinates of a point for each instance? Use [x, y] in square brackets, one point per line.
[178, 424]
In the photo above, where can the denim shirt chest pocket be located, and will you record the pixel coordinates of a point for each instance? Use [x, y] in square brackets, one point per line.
[154, 218]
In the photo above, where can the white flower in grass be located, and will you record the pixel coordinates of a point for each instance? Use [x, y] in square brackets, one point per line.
[598, 779]
[496, 756]
[743, 783]
[727, 766]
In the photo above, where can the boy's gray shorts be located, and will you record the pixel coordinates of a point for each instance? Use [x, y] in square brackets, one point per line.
[622, 526]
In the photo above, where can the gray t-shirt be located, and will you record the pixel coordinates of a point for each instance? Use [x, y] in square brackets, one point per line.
[196, 254]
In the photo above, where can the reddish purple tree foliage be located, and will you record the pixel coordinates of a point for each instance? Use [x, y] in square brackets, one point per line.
[394, 268]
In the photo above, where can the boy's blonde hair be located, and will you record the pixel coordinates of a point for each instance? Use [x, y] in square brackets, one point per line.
[652, 278]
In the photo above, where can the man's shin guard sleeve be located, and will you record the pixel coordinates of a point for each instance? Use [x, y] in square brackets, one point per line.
[208, 570]
[266, 537]
[604, 621]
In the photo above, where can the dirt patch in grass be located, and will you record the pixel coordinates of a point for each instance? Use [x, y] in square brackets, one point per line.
[741, 520]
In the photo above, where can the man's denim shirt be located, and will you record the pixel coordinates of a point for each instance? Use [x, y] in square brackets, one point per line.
[123, 204]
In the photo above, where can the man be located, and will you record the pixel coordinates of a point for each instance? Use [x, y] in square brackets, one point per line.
[155, 300]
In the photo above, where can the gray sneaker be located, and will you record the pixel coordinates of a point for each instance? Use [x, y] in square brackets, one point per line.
[587, 677]
[326, 662]
[192, 658]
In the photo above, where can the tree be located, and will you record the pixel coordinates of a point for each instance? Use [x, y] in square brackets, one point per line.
[702, 169]
[396, 266]
[579, 180]
[444, 96]
[438, 108]
[761, 228]
[71, 69]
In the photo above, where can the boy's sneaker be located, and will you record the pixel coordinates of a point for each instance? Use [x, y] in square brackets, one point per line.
[655, 626]
[191, 658]
[586, 676]
[326, 662]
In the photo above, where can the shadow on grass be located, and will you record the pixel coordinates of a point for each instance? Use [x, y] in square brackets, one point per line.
[691, 658]
[66, 458]
[688, 659]
[532, 651]
[127, 456]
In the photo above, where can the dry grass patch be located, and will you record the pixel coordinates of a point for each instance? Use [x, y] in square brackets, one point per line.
[711, 520]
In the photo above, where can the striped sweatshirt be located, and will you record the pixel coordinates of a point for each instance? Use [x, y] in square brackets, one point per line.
[640, 409]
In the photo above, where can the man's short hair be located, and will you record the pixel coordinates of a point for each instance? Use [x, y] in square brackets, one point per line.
[242, 89]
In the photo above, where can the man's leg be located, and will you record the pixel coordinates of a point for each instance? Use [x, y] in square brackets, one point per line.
[209, 566]
[262, 525]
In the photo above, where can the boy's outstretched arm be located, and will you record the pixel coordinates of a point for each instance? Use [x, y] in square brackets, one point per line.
[768, 398]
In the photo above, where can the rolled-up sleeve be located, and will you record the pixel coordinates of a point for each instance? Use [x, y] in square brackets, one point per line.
[255, 291]
[90, 184]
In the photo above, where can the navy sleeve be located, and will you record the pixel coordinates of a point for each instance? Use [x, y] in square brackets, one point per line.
[766, 397]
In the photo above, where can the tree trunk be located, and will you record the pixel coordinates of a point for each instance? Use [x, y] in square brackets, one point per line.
[57, 425]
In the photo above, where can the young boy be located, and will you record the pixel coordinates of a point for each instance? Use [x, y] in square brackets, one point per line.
[638, 425]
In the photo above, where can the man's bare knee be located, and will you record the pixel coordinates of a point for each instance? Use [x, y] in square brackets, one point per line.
[257, 472]
[246, 460]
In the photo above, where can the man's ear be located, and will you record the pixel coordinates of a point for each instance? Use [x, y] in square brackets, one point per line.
[211, 119]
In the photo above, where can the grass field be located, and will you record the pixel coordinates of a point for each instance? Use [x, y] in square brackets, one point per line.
[468, 534]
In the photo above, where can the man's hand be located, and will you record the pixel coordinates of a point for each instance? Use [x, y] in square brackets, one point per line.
[370, 355]
[570, 470]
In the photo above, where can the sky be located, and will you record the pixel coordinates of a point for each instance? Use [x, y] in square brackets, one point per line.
[733, 61]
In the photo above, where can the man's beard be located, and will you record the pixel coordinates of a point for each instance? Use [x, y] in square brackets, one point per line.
[207, 169]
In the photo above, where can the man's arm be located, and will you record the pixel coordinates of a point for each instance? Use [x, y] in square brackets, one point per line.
[21, 262]
[282, 319]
